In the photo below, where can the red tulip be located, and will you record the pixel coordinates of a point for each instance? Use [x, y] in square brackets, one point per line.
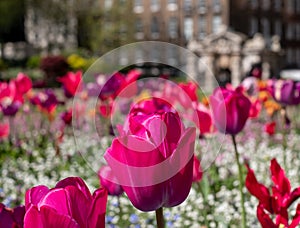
[191, 89]
[119, 84]
[71, 82]
[23, 83]
[11, 218]
[106, 175]
[255, 109]
[276, 203]
[69, 204]
[4, 130]
[230, 110]
[204, 121]
[67, 117]
[197, 171]
[269, 128]
[153, 160]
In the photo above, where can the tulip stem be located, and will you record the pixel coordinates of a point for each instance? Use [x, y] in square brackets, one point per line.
[241, 180]
[160, 218]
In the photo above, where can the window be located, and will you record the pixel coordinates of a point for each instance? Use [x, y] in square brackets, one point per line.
[253, 4]
[172, 5]
[290, 6]
[201, 27]
[216, 6]
[265, 24]
[188, 28]
[278, 28]
[108, 4]
[266, 4]
[290, 55]
[139, 25]
[173, 28]
[297, 3]
[202, 6]
[277, 5]
[290, 32]
[154, 28]
[155, 5]
[138, 3]
[216, 23]
[172, 56]
[138, 6]
[253, 26]
[298, 31]
[187, 5]
[298, 56]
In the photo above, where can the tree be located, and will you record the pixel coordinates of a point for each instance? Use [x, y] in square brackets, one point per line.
[11, 22]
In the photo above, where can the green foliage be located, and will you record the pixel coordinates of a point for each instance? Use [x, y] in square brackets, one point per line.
[33, 62]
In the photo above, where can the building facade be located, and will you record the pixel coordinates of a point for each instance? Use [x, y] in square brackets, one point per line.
[180, 21]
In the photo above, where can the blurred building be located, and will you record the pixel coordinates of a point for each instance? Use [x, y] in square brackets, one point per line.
[180, 21]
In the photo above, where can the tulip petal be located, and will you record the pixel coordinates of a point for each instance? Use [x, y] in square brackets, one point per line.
[57, 199]
[257, 189]
[296, 220]
[293, 197]
[96, 218]
[280, 180]
[47, 217]
[263, 218]
[6, 218]
[78, 204]
[34, 195]
[161, 185]
[76, 182]
[18, 215]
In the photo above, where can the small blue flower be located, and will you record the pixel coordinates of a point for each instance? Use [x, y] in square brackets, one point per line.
[108, 219]
[170, 224]
[134, 218]
[176, 217]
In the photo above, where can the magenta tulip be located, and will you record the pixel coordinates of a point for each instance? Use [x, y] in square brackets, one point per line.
[108, 181]
[230, 110]
[153, 161]
[69, 204]
[286, 92]
[11, 218]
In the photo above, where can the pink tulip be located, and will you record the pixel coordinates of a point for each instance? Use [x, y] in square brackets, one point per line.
[71, 82]
[106, 175]
[4, 130]
[11, 218]
[153, 161]
[230, 110]
[69, 204]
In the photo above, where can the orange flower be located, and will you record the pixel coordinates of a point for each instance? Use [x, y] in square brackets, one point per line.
[271, 106]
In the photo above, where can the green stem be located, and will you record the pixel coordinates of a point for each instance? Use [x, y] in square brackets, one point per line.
[160, 218]
[284, 135]
[205, 205]
[241, 180]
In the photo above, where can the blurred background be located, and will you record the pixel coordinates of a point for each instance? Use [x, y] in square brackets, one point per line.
[234, 38]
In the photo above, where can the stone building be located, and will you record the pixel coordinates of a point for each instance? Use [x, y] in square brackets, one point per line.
[229, 56]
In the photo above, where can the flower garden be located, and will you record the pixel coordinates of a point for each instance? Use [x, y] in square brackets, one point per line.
[123, 150]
